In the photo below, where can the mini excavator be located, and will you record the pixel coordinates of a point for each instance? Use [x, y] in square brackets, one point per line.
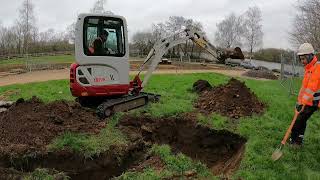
[102, 79]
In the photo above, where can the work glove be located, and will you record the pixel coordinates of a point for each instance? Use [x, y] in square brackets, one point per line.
[298, 107]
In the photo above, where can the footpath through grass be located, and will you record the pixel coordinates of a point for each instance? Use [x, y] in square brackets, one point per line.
[263, 132]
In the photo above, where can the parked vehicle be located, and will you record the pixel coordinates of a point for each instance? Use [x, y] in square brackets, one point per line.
[247, 64]
[233, 62]
[165, 61]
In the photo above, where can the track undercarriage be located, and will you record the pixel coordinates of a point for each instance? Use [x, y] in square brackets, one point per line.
[106, 107]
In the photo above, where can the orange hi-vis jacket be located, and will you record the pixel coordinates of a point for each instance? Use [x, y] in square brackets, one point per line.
[310, 90]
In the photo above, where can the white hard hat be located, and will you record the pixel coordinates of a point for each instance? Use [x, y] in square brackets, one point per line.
[305, 48]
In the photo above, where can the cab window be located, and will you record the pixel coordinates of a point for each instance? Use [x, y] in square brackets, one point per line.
[104, 36]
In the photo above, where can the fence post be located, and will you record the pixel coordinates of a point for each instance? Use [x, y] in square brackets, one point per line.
[282, 68]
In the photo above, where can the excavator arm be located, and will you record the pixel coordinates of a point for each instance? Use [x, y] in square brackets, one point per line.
[162, 46]
[137, 98]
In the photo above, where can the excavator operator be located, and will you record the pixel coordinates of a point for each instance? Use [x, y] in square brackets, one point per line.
[97, 47]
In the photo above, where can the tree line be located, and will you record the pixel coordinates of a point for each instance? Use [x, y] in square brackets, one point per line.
[24, 37]
[243, 31]
[143, 41]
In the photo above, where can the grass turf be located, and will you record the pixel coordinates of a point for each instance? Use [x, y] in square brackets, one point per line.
[263, 132]
[42, 59]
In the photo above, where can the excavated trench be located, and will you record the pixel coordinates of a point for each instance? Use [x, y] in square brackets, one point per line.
[221, 150]
[28, 127]
[104, 166]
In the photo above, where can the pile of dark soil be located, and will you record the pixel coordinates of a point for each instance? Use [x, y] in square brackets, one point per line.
[219, 150]
[31, 125]
[263, 73]
[234, 100]
[201, 85]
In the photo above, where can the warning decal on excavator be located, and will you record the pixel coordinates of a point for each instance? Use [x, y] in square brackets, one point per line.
[99, 79]
[97, 75]
[111, 77]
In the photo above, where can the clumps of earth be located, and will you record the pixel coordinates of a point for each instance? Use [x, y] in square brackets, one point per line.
[234, 100]
[31, 125]
[201, 85]
[261, 73]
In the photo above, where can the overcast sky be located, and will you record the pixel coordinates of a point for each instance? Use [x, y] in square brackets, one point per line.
[58, 14]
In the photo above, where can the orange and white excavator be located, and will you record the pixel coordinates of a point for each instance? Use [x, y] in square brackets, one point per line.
[102, 79]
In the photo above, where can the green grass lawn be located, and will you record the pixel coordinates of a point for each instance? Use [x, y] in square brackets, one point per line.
[263, 132]
[48, 59]
[43, 59]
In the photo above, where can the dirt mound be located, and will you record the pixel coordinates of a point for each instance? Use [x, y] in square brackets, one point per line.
[216, 149]
[234, 100]
[262, 73]
[201, 85]
[31, 125]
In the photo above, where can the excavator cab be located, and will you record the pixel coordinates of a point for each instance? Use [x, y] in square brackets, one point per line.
[101, 65]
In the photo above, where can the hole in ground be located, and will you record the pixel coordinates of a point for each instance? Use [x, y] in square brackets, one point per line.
[220, 150]
[105, 166]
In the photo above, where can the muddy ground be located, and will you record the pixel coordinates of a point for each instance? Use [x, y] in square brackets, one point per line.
[28, 127]
[31, 125]
[234, 100]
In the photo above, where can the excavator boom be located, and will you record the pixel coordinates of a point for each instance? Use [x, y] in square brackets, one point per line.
[162, 46]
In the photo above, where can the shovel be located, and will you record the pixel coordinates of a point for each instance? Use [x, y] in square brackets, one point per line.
[278, 152]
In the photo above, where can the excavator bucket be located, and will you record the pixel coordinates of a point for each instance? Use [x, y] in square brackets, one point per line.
[237, 54]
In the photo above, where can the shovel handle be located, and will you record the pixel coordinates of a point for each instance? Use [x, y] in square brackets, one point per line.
[296, 113]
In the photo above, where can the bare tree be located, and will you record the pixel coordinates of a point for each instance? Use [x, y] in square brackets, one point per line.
[143, 42]
[8, 41]
[27, 22]
[253, 34]
[158, 32]
[99, 7]
[194, 26]
[174, 25]
[178, 23]
[230, 31]
[71, 33]
[306, 25]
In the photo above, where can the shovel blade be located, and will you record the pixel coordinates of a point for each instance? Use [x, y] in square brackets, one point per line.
[277, 154]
